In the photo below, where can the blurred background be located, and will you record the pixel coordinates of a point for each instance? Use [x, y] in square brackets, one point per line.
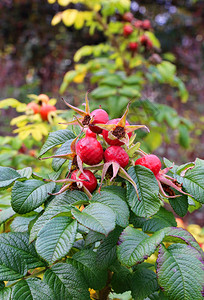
[37, 58]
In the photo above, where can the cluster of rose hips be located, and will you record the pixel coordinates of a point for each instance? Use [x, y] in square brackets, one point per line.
[41, 107]
[116, 139]
[142, 26]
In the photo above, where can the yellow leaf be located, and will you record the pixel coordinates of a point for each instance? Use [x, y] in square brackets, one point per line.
[64, 2]
[51, 1]
[52, 101]
[21, 107]
[96, 7]
[19, 119]
[154, 40]
[79, 21]
[43, 128]
[80, 77]
[32, 97]
[56, 19]
[9, 102]
[37, 135]
[69, 16]
[24, 134]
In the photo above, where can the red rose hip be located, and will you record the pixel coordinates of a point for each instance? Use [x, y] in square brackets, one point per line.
[89, 150]
[115, 142]
[116, 154]
[34, 107]
[100, 116]
[128, 16]
[151, 162]
[90, 183]
[45, 110]
[127, 30]
[133, 46]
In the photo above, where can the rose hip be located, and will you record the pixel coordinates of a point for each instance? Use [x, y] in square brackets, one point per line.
[89, 150]
[90, 183]
[100, 116]
[116, 154]
[151, 162]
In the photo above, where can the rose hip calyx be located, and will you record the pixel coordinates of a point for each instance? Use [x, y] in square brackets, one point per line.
[90, 181]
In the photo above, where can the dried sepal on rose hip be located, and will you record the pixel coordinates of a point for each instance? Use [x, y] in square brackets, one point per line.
[85, 181]
[89, 119]
[117, 132]
[165, 182]
[72, 155]
[87, 150]
[115, 160]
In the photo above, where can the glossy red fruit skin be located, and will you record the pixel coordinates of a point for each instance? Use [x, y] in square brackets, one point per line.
[138, 24]
[115, 142]
[133, 46]
[128, 16]
[127, 30]
[45, 110]
[151, 162]
[91, 184]
[90, 133]
[34, 106]
[146, 25]
[143, 40]
[89, 150]
[100, 117]
[116, 154]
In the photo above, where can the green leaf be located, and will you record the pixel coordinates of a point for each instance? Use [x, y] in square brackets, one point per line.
[103, 92]
[7, 177]
[163, 218]
[143, 283]
[97, 217]
[193, 182]
[148, 190]
[25, 172]
[121, 279]
[93, 237]
[115, 202]
[116, 105]
[133, 80]
[28, 195]
[66, 282]
[56, 238]
[32, 289]
[135, 246]
[18, 243]
[129, 91]
[86, 262]
[12, 264]
[180, 204]
[6, 214]
[83, 51]
[56, 138]
[20, 224]
[60, 204]
[64, 149]
[106, 252]
[5, 294]
[180, 272]
[112, 80]
[184, 138]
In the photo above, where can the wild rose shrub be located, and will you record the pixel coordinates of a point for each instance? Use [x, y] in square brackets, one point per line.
[93, 226]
